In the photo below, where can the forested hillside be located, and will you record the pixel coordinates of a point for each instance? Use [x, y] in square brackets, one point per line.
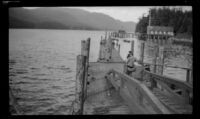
[180, 20]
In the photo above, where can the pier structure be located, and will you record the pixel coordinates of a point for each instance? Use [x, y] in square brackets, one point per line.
[155, 35]
[105, 88]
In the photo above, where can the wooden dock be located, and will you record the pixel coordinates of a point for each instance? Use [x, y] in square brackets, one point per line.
[103, 87]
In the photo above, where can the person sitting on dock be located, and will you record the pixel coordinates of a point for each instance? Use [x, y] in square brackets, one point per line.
[130, 64]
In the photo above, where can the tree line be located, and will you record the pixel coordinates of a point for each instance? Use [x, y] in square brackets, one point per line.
[180, 20]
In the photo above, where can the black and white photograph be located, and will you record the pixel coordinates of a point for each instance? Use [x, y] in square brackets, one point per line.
[100, 60]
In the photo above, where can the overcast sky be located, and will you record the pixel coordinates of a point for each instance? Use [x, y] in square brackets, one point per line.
[124, 13]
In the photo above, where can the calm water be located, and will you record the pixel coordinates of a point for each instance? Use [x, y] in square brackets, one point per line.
[42, 66]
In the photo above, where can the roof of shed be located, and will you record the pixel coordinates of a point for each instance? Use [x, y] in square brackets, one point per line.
[160, 28]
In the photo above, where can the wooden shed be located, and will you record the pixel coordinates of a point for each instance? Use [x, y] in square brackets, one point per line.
[160, 32]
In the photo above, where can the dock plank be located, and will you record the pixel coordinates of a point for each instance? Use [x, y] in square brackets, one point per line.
[172, 104]
[102, 98]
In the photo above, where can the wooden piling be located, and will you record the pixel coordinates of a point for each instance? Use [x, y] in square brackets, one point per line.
[188, 76]
[160, 60]
[142, 52]
[100, 50]
[83, 48]
[155, 57]
[191, 78]
[88, 49]
[163, 62]
[85, 51]
[142, 59]
[109, 47]
[87, 64]
[119, 48]
[132, 46]
[80, 81]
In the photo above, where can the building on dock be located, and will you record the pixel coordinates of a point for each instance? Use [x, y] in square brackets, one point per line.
[160, 34]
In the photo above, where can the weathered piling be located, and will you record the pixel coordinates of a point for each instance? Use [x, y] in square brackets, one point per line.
[142, 52]
[109, 49]
[86, 52]
[160, 61]
[100, 49]
[132, 46]
[155, 57]
[80, 81]
[142, 58]
[163, 62]
[188, 75]
[83, 48]
[191, 77]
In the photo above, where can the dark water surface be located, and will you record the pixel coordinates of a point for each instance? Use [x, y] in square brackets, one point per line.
[42, 66]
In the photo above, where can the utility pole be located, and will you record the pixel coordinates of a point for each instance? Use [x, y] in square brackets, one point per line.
[150, 17]
[148, 34]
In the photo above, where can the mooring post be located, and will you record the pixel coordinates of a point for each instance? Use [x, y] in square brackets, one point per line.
[87, 64]
[119, 48]
[191, 77]
[142, 58]
[187, 75]
[142, 52]
[85, 51]
[132, 46]
[110, 48]
[161, 60]
[80, 81]
[100, 49]
[155, 58]
[83, 48]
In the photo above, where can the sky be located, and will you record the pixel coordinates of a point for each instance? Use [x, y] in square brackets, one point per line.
[127, 13]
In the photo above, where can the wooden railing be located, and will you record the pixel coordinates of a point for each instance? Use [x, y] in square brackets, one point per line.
[138, 97]
[171, 85]
[189, 71]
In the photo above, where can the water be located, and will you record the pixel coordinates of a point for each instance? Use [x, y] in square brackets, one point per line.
[42, 66]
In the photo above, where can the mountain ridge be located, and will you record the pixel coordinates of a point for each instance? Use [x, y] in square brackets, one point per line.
[65, 18]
